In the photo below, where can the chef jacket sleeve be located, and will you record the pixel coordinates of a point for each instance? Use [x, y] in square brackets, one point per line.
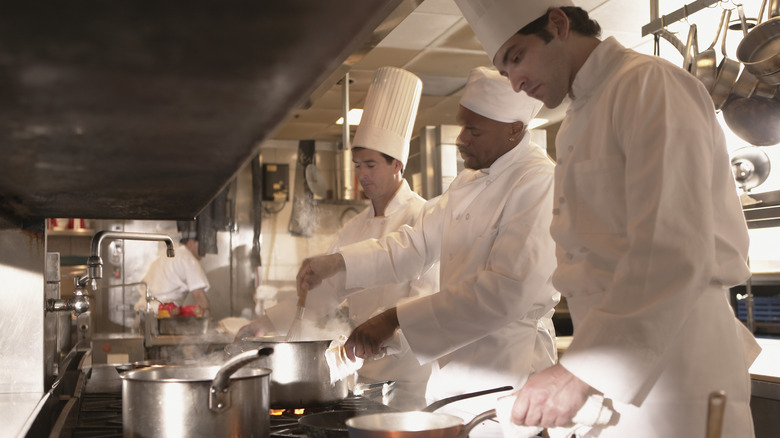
[675, 185]
[376, 262]
[192, 273]
[511, 283]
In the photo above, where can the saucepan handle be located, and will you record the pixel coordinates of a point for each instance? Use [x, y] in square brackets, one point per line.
[219, 397]
[487, 415]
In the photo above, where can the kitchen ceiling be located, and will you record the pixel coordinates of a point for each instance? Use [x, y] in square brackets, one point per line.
[436, 43]
[147, 109]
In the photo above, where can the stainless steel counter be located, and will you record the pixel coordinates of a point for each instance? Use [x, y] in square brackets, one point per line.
[19, 410]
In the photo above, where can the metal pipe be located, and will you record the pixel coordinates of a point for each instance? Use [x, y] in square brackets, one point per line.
[78, 304]
[345, 176]
[95, 262]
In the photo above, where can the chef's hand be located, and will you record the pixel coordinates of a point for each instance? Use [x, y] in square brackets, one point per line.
[315, 269]
[550, 398]
[367, 338]
[259, 327]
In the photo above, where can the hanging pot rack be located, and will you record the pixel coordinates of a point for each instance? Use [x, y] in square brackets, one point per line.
[659, 23]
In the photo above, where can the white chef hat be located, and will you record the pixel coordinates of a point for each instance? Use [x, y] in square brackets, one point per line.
[495, 21]
[491, 95]
[388, 115]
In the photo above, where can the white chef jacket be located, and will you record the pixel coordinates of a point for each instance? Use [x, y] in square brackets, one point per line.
[650, 235]
[490, 323]
[170, 279]
[364, 303]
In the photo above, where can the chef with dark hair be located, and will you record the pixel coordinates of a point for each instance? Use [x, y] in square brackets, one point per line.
[649, 229]
[489, 324]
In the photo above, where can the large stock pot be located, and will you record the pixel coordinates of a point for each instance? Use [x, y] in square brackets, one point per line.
[198, 401]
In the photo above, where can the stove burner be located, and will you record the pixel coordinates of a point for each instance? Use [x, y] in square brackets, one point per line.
[286, 424]
[100, 416]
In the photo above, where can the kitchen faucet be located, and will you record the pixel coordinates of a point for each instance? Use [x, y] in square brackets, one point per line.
[78, 304]
[95, 262]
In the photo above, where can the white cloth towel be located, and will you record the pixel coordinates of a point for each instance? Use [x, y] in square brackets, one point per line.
[340, 365]
[593, 415]
[338, 362]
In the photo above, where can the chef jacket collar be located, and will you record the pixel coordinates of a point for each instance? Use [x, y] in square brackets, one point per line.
[596, 69]
[401, 197]
[516, 153]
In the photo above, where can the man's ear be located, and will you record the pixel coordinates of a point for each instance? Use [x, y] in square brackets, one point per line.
[558, 23]
[517, 129]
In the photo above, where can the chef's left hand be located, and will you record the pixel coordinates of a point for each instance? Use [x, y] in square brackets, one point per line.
[367, 338]
[550, 398]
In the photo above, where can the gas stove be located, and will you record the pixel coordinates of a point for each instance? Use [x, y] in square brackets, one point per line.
[95, 409]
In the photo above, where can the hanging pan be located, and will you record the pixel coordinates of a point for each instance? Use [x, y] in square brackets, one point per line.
[706, 63]
[728, 70]
[748, 84]
[759, 51]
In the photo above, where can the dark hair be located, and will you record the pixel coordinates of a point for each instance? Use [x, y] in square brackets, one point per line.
[388, 158]
[578, 22]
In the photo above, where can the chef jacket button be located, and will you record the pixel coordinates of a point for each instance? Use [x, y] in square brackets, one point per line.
[556, 211]
[468, 216]
[561, 200]
[569, 256]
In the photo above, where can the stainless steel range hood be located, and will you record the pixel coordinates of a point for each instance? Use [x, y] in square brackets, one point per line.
[146, 109]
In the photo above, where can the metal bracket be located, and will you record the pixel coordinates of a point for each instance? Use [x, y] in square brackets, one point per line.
[661, 22]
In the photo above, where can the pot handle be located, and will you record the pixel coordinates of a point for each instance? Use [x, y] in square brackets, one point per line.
[466, 429]
[219, 396]
[445, 401]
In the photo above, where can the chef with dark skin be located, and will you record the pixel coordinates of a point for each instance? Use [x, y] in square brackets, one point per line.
[649, 229]
[489, 324]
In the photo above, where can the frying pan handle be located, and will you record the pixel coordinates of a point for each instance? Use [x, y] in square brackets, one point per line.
[487, 415]
[219, 398]
[445, 401]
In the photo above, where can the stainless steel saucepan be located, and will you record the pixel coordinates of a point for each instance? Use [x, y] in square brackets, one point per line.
[197, 401]
[301, 375]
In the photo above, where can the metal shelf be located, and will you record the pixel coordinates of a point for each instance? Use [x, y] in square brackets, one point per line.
[765, 213]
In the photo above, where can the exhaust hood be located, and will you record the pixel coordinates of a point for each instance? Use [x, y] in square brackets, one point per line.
[146, 109]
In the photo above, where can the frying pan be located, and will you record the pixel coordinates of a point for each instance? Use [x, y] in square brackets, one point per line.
[748, 84]
[333, 424]
[413, 425]
[705, 64]
[691, 47]
[759, 51]
[728, 70]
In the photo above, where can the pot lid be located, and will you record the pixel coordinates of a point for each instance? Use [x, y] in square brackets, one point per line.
[750, 166]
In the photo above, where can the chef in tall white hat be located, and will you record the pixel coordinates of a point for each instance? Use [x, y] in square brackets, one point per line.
[489, 325]
[380, 150]
[648, 245]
